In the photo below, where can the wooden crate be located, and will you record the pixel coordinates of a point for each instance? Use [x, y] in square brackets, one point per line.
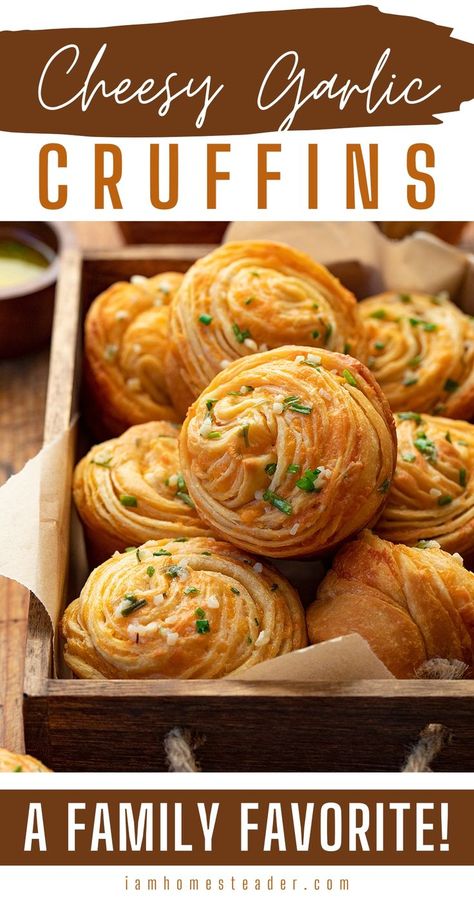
[242, 726]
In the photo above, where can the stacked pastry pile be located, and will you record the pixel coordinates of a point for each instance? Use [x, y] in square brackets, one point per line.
[294, 400]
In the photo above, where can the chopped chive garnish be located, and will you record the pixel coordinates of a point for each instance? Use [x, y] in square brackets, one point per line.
[463, 443]
[129, 549]
[415, 362]
[379, 345]
[384, 486]
[137, 554]
[347, 348]
[214, 435]
[181, 484]
[270, 469]
[210, 404]
[425, 446]
[306, 483]
[462, 477]
[172, 571]
[105, 463]
[185, 498]
[192, 590]
[349, 377]
[163, 552]
[327, 333]
[379, 314]
[206, 553]
[245, 434]
[18, 769]
[248, 301]
[450, 385]
[278, 502]
[408, 457]
[240, 336]
[235, 591]
[405, 298]
[410, 380]
[205, 318]
[408, 416]
[128, 500]
[293, 468]
[315, 334]
[295, 404]
[202, 626]
[134, 605]
[445, 500]
[429, 326]
[249, 639]
[180, 540]
[448, 437]
[200, 613]
[150, 571]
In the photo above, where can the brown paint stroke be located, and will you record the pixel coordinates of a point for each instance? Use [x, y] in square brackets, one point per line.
[226, 847]
[236, 51]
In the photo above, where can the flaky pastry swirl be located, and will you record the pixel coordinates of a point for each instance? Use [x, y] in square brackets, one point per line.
[289, 452]
[125, 344]
[432, 492]
[411, 605]
[421, 352]
[130, 489]
[198, 609]
[252, 296]
[19, 762]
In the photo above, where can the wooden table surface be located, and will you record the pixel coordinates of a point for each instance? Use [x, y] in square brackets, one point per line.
[22, 400]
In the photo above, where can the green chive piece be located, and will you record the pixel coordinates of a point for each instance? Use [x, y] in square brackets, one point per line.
[347, 348]
[448, 437]
[128, 500]
[315, 305]
[463, 443]
[181, 540]
[249, 640]
[206, 553]
[105, 463]
[240, 336]
[295, 404]
[185, 498]
[172, 571]
[462, 477]
[163, 552]
[405, 298]
[415, 362]
[210, 403]
[18, 769]
[134, 605]
[200, 613]
[425, 446]
[278, 502]
[445, 500]
[129, 549]
[349, 377]
[202, 626]
[270, 469]
[205, 318]
[450, 385]
[235, 591]
[379, 345]
[150, 571]
[306, 483]
[408, 457]
[249, 300]
[379, 314]
[408, 416]
[214, 435]
[315, 334]
[327, 333]
[293, 468]
[384, 486]
[429, 326]
[410, 380]
[245, 434]
[192, 590]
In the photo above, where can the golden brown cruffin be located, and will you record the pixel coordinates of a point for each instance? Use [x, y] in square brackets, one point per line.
[198, 609]
[289, 452]
[253, 296]
[125, 344]
[19, 762]
[432, 492]
[421, 352]
[411, 605]
[130, 489]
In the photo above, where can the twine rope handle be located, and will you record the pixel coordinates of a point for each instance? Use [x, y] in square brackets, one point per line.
[179, 746]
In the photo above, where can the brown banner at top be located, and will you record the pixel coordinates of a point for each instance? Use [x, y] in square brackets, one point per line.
[240, 74]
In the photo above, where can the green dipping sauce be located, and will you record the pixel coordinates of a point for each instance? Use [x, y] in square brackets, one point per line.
[21, 261]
